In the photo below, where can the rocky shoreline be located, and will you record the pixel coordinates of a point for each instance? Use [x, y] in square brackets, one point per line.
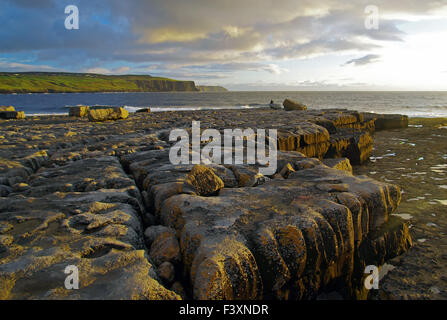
[105, 198]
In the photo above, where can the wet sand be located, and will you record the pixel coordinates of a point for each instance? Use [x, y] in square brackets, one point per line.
[416, 159]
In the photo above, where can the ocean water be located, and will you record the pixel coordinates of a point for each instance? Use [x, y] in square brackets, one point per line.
[421, 104]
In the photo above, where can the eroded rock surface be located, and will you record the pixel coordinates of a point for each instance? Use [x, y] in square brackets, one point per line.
[85, 214]
[104, 197]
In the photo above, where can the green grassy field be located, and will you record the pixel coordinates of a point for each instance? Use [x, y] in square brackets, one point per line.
[37, 82]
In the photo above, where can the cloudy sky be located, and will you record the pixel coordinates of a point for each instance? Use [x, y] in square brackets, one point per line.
[240, 44]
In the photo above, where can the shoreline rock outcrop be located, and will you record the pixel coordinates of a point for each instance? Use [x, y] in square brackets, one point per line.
[98, 115]
[106, 199]
[9, 112]
[79, 111]
[388, 121]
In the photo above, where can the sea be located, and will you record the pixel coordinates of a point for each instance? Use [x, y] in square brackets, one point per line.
[414, 104]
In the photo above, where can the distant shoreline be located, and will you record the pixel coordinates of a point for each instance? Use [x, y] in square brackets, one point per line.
[46, 82]
[105, 92]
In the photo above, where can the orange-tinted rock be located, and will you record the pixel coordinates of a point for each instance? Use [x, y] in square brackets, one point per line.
[204, 180]
[107, 114]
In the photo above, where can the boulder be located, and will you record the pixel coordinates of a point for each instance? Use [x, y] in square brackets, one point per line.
[108, 114]
[290, 105]
[204, 180]
[79, 111]
[7, 108]
[12, 115]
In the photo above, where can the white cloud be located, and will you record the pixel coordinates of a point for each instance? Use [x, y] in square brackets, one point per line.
[275, 69]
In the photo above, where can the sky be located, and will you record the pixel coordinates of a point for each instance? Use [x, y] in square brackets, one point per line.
[239, 44]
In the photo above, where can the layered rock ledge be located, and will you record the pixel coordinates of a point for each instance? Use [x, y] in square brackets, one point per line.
[104, 197]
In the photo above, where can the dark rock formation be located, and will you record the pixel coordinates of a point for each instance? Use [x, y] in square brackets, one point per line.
[12, 115]
[9, 112]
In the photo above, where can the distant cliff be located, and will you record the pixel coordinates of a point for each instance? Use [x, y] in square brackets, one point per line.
[211, 89]
[55, 82]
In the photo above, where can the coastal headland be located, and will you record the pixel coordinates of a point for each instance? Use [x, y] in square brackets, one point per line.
[104, 197]
[62, 82]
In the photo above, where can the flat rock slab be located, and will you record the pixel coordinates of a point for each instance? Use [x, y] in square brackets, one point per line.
[85, 214]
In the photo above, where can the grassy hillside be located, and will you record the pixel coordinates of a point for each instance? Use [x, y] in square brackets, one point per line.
[41, 82]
